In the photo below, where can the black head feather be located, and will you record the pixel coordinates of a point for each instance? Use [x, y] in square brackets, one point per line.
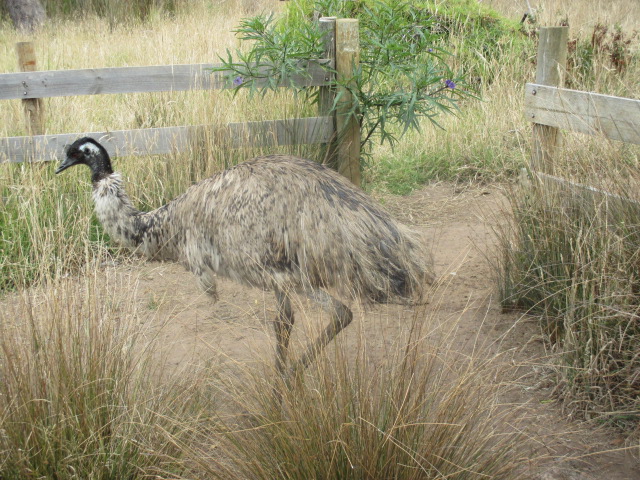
[87, 151]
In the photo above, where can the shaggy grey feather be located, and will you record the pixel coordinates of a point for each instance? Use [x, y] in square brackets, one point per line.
[277, 222]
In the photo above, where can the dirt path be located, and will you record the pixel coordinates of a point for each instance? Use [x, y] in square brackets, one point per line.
[459, 224]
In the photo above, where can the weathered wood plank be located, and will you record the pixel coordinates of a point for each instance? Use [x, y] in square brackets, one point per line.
[33, 107]
[551, 62]
[595, 199]
[160, 78]
[156, 141]
[347, 126]
[592, 113]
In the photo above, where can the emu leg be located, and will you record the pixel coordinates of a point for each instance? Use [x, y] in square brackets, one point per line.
[341, 317]
[283, 325]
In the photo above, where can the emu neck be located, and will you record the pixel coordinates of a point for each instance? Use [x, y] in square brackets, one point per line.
[99, 174]
[126, 224]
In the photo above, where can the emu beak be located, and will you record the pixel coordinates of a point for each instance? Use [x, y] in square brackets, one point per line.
[66, 163]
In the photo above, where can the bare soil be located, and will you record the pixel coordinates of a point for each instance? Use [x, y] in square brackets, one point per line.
[459, 223]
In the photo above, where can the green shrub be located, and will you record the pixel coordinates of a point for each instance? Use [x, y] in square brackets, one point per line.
[403, 76]
[477, 33]
[409, 51]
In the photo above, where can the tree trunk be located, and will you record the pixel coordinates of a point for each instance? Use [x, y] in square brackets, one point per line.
[26, 14]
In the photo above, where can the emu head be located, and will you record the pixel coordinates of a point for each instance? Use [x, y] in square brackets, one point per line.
[86, 151]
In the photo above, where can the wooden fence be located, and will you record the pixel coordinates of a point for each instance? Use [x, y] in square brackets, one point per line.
[551, 109]
[341, 56]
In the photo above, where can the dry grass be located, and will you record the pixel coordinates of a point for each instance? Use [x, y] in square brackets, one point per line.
[421, 412]
[77, 397]
[75, 386]
[571, 258]
[80, 399]
[581, 14]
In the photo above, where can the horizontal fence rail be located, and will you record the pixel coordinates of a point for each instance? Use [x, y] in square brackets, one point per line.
[161, 78]
[157, 141]
[552, 108]
[340, 58]
[592, 113]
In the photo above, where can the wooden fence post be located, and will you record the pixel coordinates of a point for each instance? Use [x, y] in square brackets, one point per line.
[347, 126]
[33, 107]
[327, 94]
[552, 62]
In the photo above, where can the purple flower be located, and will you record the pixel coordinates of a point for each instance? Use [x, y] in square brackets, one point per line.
[450, 84]
[238, 81]
[430, 50]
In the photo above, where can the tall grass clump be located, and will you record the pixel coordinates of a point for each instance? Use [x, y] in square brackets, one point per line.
[421, 412]
[77, 399]
[572, 256]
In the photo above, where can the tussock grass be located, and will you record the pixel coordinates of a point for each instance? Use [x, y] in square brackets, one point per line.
[571, 256]
[421, 412]
[77, 396]
[83, 395]
[79, 400]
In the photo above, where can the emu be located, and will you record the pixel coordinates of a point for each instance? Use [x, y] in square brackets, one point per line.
[277, 222]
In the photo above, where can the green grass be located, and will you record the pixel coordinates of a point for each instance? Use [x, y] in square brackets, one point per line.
[46, 230]
[483, 144]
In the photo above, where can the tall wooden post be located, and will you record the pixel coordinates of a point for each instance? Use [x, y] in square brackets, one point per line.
[327, 94]
[33, 107]
[552, 63]
[347, 125]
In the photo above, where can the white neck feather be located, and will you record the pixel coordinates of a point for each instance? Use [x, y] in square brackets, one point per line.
[130, 227]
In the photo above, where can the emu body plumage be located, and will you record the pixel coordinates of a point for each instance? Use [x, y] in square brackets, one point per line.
[279, 223]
